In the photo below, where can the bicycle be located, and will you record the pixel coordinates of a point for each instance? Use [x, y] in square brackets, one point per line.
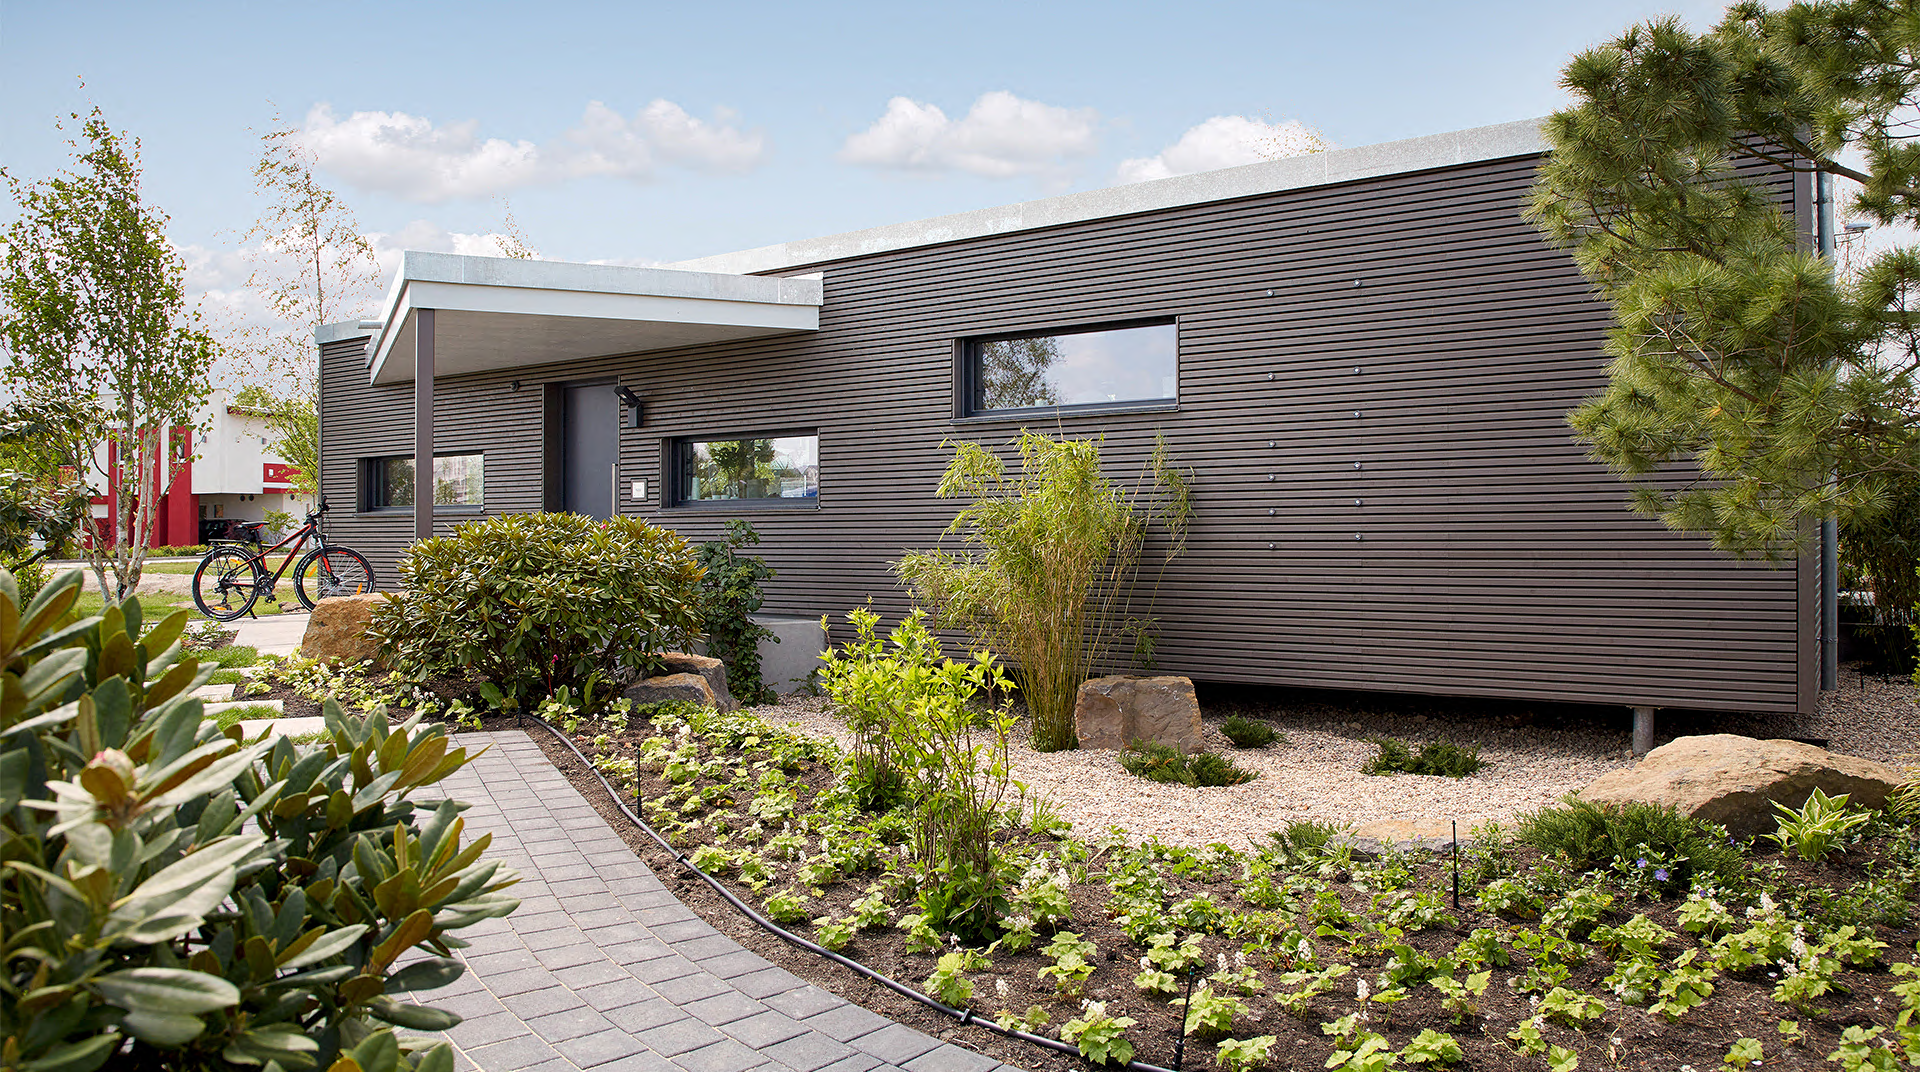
[230, 579]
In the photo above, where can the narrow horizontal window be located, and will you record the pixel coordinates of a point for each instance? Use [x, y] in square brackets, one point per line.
[782, 468]
[459, 481]
[1078, 368]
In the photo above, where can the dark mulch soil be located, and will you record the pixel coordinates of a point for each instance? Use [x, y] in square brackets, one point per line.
[1626, 1037]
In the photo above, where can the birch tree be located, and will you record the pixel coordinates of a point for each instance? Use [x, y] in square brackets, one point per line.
[97, 332]
[312, 266]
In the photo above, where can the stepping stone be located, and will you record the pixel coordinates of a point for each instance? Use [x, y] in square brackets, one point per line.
[213, 693]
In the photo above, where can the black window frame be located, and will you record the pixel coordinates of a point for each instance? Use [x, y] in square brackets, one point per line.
[966, 373]
[673, 452]
[373, 485]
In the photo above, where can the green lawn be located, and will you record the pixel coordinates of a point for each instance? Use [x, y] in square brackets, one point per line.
[240, 714]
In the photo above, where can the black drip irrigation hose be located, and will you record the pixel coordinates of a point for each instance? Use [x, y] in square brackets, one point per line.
[964, 1016]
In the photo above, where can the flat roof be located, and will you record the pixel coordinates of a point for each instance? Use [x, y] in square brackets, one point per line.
[495, 313]
[1499, 142]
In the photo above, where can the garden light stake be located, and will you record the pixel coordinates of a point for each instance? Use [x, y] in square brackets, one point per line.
[1455, 823]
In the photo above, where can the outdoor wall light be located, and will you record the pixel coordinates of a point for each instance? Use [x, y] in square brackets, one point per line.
[632, 402]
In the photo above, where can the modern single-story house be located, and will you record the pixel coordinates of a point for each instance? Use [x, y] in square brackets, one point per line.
[1365, 356]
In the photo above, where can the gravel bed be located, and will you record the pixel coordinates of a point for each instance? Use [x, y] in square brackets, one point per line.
[1533, 756]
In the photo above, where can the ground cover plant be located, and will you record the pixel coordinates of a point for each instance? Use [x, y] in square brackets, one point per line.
[1442, 758]
[1250, 732]
[1165, 763]
[1584, 937]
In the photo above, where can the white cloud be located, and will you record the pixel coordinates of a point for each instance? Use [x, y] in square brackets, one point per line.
[1221, 142]
[1001, 136]
[410, 157]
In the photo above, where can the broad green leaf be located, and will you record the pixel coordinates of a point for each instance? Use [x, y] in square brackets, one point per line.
[167, 990]
[163, 1028]
[429, 974]
[416, 1017]
[328, 944]
[82, 1056]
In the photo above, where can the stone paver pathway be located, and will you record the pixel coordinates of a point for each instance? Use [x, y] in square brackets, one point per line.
[603, 968]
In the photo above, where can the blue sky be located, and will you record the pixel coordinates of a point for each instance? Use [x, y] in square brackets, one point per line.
[648, 132]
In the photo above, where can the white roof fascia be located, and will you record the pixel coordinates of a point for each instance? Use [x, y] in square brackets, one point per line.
[1499, 142]
[587, 291]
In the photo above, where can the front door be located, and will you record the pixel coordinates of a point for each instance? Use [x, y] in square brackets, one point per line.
[591, 449]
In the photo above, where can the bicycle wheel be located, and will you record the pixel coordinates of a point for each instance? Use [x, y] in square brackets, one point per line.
[326, 572]
[226, 583]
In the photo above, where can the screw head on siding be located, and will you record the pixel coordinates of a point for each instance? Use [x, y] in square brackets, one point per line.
[1272, 444]
[1272, 512]
[1269, 293]
[1359, 502]
[1356, 465]
[1356, 370]
[1356, 536]
[1269, 375]
[1271, 476]
[1270, 547]
[1356, 282]
[1357, 414]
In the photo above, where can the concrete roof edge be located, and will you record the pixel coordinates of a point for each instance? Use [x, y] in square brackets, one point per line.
[349, 329]
[456, 268]
[1497, 142]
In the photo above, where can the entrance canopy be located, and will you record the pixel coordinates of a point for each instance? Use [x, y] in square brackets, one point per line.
[493, 313]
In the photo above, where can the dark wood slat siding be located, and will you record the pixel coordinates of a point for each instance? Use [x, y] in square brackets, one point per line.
[1493, 559]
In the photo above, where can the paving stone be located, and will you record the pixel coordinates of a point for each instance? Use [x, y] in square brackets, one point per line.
[487, 1030]
[568, 956]
[706, 951]
[524, 981]
[523, 1052]
[808, 1052]
[950, 1058]
[681, 1036]
[723, 1056]
[589, 1051]
[592, 973]
[466, 1006]
[614, 973]
[722, 1009]
[894, 1044]
[844, 1023]
[661, 969]
[765, 1029]
[806, 1001]
[649, 1012]
[691, 988]
[568, 1024]
[731, 964]
[501, 963]
[536, 1003]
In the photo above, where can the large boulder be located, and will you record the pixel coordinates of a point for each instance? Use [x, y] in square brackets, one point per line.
[689, 678]
[1735, 781]
[337, 630]
[1113, 712]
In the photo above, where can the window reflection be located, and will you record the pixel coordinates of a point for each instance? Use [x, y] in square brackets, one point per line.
[1077, 369]
[773, 467]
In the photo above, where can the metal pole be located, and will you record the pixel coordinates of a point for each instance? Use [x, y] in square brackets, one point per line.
[1829, 528]
[1455, 823]
[1642, 731]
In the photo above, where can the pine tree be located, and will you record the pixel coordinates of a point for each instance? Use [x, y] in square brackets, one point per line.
[1735, 347]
